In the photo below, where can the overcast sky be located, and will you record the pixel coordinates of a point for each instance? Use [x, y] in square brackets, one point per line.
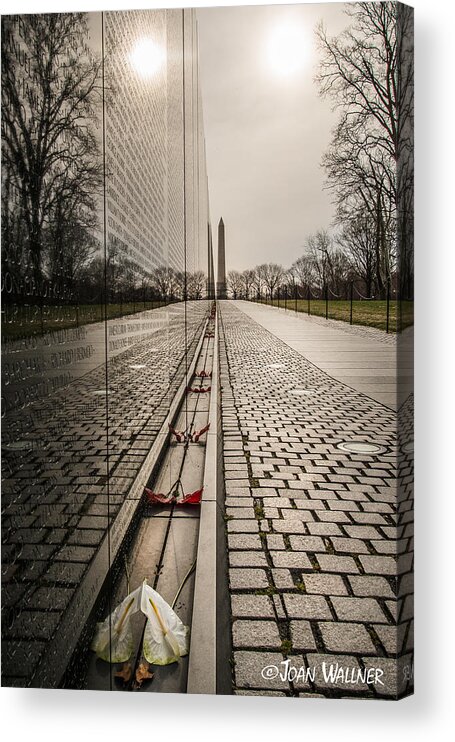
[266, 128]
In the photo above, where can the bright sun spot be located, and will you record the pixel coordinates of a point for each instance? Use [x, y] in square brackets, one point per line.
[287, 50]
[147, 57]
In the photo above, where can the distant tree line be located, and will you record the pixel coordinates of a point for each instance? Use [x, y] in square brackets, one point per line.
[121, 281]
[328, 264]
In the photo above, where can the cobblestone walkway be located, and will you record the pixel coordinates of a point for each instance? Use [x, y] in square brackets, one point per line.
[66, 475]
[319, 545]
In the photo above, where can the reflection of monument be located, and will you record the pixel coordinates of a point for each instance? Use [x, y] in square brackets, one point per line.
[211, 277]
[221, 282]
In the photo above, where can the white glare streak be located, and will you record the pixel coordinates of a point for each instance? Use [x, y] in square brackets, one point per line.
[147, 57]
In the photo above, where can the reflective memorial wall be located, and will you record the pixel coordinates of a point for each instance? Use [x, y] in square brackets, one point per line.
[105, 291]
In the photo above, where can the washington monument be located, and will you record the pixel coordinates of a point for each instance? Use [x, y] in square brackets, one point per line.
[221, 278]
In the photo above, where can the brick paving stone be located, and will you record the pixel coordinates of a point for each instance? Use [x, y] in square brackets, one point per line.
[288, 526]
[393, 680]
[290, 559]
[324, 529]
[346, 505]
[240, 512]
[244, 541]
[391, 637]
[380, 565]
[350, 546]
[247, 578]
[278, 604]
[34, 625]
[247, 559]
[407, 611]
[302, 636]
[410, 638]
[385, 547]
[346, 637]
[307, 606]
[242, 526]
[394, 607]
[65, 572]
[307, 543]
[406, 584]
[370, 585]
[74, 554]
[19, 658]
[255, 634]
[297, 673]
[57, 598]
[32, 570]
[283, 579]
[319, 494]
[307, 504]
[322, 584]
[251, 606]
[332, 563]
[92, 522]
[248, 670]
[40, 552]
[368, 532]
[369, 518]
[335, 516]
[275, 541]
[358, 609]
[332, 663]
[85, 538]
[233, 491]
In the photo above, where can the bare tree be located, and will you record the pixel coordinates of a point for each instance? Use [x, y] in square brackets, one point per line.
[164, 281]
[319, 252]
[272, 274]
[178, 284]
[363, 183]
[259, 279]
[196, 283]
[235, 283]
[358, 241]
[359, 70]
[248, 278]
[303, 271]
[49, 145]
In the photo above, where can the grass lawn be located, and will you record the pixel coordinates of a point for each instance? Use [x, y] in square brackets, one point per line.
[364, 312]
[25, 321]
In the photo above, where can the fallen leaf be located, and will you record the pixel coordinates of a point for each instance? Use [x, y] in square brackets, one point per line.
[143, 673]
[125, 672]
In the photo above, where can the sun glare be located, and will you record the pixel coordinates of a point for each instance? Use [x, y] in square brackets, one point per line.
[147, 57]
[287, 50]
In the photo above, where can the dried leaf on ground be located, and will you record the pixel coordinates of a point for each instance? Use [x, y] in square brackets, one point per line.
[125, 672]
[143, 673]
